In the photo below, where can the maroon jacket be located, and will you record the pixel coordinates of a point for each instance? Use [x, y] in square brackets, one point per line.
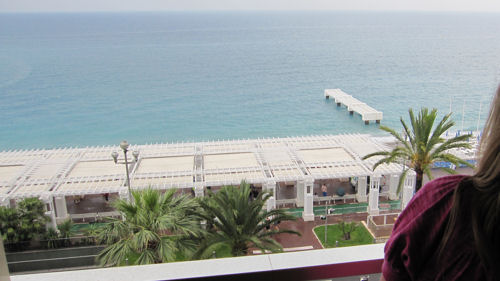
[412, 250]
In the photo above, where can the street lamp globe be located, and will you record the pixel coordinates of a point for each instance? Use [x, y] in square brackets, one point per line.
[114, 154]
[135, 153]
[124, 145]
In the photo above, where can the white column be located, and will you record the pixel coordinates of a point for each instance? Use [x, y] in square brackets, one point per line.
[300, 193]
[123, 194]
[361, 194]
[52, 213]
[199, 189]
[270, 203]
[61, 208]
[393, 187]
[308, 214]
[408, 188]
[270, 187]
[373, 196]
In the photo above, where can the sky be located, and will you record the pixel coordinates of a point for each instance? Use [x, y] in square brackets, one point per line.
[166, 5]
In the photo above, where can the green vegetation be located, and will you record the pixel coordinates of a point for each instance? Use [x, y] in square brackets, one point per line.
[156, 228]
[422, 145]
[360, 236]
[235, 221]
[24, 223]
[85, 228]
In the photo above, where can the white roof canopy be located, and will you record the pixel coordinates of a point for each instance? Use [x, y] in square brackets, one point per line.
[165, 164]
[96, 168]
[91, 170]
[230, 160]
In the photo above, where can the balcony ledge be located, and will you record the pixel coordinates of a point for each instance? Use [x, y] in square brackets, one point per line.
[304, 265]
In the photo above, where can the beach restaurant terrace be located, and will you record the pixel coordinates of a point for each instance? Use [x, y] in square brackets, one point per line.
[292, 169]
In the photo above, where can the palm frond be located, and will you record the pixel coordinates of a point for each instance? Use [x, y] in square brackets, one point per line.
[151, 226]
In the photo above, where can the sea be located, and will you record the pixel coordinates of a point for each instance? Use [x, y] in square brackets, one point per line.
[88, 79]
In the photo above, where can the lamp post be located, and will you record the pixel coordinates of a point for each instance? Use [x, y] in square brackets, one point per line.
[124, 146]
[325, 218]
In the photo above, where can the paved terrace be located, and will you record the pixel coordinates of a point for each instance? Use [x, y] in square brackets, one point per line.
[292, 168]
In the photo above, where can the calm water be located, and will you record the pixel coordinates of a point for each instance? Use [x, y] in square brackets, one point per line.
[95, 79]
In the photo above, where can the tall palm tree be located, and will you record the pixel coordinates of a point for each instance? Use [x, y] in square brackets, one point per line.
[423, 145]
[239, 222]
[152, 229]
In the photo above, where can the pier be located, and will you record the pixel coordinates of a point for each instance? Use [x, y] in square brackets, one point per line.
[367, 112]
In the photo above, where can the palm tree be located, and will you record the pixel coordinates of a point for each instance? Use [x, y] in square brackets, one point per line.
[236, 221]
[66, 231]
[151, 231]
[423, 145]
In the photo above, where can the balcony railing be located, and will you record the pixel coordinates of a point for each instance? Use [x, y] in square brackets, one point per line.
[305, 265]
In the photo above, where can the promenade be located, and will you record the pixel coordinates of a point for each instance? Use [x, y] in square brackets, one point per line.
[75, 182]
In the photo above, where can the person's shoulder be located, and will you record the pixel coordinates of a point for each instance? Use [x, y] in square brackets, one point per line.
[441, 185]
[434, 197]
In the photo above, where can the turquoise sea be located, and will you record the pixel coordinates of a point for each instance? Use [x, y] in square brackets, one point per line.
[97, 78]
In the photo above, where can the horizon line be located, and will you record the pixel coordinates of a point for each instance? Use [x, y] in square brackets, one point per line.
[250, 10]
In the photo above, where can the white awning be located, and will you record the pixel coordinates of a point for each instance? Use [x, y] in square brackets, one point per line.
[230, 160]
[165, 164]
[91, 170]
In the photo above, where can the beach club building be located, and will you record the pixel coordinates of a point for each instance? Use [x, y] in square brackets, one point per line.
[81, 182]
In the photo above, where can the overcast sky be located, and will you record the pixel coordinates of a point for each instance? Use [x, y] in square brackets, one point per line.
[156, 5]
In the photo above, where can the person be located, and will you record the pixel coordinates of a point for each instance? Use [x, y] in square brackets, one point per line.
[450, 230]
[324, 190]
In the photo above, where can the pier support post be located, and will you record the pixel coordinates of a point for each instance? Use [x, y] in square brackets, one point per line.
[351, 112]
[373, 196]
[367, 122]
[393, 187]
[339, 104]
[378, 121]
[408, 189]
[308, 214]
[361, 194]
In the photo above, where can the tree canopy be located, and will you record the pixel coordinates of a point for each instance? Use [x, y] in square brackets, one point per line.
[25, 222]
[421, 144]
[237, 221]
[153, 229]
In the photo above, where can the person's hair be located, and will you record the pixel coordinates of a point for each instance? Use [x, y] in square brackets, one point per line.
[482, 193]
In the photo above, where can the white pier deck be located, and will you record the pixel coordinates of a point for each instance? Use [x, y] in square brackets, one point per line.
[367, 112]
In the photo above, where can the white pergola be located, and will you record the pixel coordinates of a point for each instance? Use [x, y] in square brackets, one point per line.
[56, 174]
